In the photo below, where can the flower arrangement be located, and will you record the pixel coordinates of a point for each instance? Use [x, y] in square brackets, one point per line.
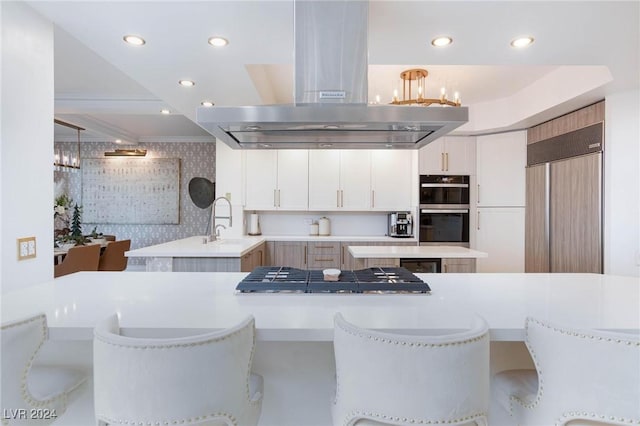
[61, 207]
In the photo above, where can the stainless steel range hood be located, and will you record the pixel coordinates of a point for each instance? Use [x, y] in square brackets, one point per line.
[330, 109]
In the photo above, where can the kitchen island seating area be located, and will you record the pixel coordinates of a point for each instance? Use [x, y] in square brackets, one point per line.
[32, 394]
[581, 375]
[199, 379]
[396, 379]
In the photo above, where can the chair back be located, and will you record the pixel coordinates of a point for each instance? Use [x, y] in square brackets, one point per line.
[409, 379]
[173, 381]
[109, 237]
[81, 258]
[113, 258]
[21, 341]
[591, 375]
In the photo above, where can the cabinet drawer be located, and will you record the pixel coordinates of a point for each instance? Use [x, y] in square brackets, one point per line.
[323, 261]
[324, 247]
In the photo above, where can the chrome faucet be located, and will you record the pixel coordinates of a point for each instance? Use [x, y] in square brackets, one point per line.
[214, 229]
[218, 230]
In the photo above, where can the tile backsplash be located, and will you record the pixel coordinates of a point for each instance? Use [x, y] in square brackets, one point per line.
[196, 160]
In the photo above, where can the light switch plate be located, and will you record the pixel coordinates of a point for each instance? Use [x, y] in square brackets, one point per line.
[26, 248]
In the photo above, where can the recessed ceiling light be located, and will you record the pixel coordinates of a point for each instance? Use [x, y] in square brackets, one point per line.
[265, 145]
[253, 127]
[134, 40]
[331, 126]
[206, 103]
[165, 111]
[521, 42]
[441, 41]
[326, 145]
[218, 41]
[118, 140]
[186, 83]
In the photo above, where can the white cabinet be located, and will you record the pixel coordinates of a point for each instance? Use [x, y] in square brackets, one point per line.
[500, 233]
[276, 179]
[449, 155]
[391, 183]
[501, 161]
[339, 180]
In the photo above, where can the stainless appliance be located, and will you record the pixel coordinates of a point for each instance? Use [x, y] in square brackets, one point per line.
[444, 210]
[563, 216]
[422, 266]
[280, 279]
[330, 94]
[401, 224]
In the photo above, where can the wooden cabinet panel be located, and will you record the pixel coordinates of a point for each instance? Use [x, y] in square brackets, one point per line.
[567, 123]
[290, 253]
[536, 249]
[576, 217]
[324, 247]
[323, 261]
[253, 259]
[382, 263]
[458, 265]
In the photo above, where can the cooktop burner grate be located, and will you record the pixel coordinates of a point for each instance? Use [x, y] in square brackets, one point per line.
[270, 279]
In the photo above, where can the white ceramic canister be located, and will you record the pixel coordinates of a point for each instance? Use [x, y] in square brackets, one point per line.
[324, 226]
[314, 229]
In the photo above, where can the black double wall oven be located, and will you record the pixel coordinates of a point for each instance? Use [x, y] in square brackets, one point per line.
[444, 210]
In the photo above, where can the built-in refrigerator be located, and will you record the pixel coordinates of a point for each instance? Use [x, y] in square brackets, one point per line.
[564, 203]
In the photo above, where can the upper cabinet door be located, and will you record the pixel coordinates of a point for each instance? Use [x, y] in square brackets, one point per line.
[449, 155]
[261, 167]
[459, 155]
[355, 179]
[324, 179]
[293, 179]
[501, 161]
[391, 183]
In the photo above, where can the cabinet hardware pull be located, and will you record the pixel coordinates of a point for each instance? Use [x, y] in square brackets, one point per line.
[478, 221]
[337, 198]
[442, 161]
[342, 255]
[305, 255]
[324, 260]
[278, 198]
[341, 198]
[478, 194]
[274, 198]
[373, 198]
[324, 246]
[446, 157]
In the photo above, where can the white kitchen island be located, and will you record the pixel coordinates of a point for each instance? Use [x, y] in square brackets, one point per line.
[294, 331]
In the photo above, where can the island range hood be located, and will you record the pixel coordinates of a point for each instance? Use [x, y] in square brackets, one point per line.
[331, 108]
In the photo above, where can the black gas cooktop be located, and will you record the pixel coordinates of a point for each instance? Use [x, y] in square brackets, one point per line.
[275, 279]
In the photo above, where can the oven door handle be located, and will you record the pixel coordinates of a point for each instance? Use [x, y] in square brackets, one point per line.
[444, 185]
[444, 211]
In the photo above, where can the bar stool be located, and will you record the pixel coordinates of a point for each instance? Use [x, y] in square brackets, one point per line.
[393, 379]
[28, 385]
[167, 381]
[580, 375]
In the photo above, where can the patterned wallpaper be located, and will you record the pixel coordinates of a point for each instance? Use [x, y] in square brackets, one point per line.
[196, 160]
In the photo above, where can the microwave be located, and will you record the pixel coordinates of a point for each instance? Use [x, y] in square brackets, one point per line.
[438, 191]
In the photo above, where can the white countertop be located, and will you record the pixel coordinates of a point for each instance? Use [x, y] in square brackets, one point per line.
[188, 302]
[237, 247]
[413, 252]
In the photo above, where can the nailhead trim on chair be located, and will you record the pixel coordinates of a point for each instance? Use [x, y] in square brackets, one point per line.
[24, 387]
[212, 416]
[567, 416]
[379, 416]
[221, 415]
[357, 414]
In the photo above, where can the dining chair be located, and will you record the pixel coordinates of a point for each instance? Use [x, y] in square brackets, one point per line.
[165, 381]
[109, 237]
[395, 379]
[32, 393]
[580, 377]
[113, 258]
[81, 258]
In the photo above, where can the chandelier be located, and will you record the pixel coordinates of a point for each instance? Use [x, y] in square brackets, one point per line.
[67, 160]
[419, 76]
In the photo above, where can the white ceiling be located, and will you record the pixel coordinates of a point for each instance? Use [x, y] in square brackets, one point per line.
[117, 90]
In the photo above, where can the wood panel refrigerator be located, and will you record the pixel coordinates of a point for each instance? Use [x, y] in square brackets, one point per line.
[563, 215]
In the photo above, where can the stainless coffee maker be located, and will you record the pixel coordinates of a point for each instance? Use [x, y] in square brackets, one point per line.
[401, 224]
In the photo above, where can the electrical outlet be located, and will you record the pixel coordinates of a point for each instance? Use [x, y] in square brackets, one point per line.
[26, 248]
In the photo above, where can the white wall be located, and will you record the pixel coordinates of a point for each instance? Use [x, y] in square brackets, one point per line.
[622, 184]
[26, 144]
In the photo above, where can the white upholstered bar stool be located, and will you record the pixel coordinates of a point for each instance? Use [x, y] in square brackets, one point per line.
[203, 379]
[581, 378]
[32, 394]
[393, 379]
